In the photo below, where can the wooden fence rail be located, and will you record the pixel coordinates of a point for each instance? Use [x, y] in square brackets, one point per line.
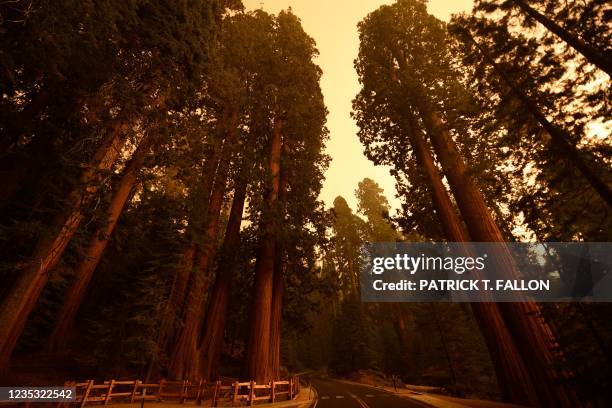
[219, 392]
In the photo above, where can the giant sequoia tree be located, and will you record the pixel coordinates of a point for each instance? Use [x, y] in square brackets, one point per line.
[294, 144]
[139, 75]
[241, 44]
[230, 105]
[247, 50]
[409, 80]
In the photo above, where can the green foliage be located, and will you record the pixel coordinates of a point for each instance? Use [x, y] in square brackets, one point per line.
[375, 207]
[386, 107]
[75, 71]
[547, 189]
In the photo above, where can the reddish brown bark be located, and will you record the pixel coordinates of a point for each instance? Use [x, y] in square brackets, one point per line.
[530, 333]
[258, 343]
[184, 357]
[25, 292]
[181, 283]
[191, 252]
[214, 155]
[280, 265]
[85, 270]
[453, 227]
[276, 312]
[514, 381]
[214, 326]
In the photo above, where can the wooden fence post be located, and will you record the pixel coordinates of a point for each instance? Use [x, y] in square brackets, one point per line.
[136, 382]
[87, 391]
[252, 393]
[67, 384]
[236, 390]
[184, 386]
[215, 392]
[109, 391]
[199, 392]
[272, 396]
[159, 390]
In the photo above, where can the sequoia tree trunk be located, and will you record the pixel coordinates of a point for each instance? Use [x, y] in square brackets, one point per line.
[25, 292]
[177, 297]
[512, 375]
[277, 312]
[184, 357]
[85, 270]
[593, 55]
[214, 326]
[258, 344]
[280, 265]
[185, 273]
[530, 333]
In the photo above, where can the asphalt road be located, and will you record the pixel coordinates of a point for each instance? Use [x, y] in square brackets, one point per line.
[334, 394]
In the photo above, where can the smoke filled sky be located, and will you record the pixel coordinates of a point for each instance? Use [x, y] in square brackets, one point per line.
[333, 25]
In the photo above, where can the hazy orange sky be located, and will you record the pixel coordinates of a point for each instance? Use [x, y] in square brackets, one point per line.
[333, 25]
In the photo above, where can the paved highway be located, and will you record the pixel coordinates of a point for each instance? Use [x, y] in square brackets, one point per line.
[334, 394]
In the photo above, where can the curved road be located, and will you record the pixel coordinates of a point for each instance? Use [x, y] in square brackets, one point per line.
[338, 394]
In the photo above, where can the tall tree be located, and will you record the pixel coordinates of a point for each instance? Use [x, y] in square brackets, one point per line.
[140, 64]
[374, 205]
[349, 235]
[214, 325]
[19, 303]
[246, 48]
[183, 359]
[300, 127]
[259, 334]
[510, 368]
[84, 271]
[405, 39]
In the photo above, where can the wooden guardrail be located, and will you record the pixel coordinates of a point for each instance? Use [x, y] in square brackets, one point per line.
[219, 392]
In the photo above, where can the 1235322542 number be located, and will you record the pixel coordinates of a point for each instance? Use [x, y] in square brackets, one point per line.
[37, 394]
